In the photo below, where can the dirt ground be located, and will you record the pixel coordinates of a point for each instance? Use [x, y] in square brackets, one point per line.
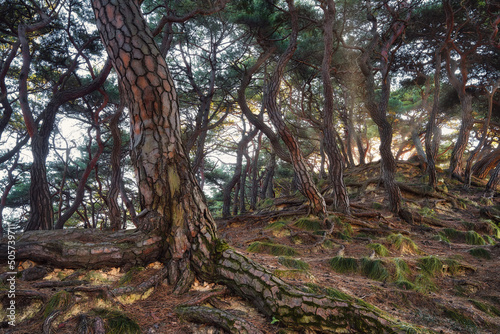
[461, 296]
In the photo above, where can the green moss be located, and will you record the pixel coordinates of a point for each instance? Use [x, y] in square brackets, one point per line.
[271, 248]
[441, 237]
[117, 322]
[374, 269]
[344, 264]
[377, 205]
[480, 252]
[221, 245]
[379, 249]
[293, 263]
[489, 239]
[292, 273]
[59, 301]
[473, 238]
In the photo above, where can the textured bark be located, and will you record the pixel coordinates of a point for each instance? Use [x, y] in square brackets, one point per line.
[336, 168]
[459, 84]
[484, 135]
[305, 184]
[116, 174]
[226, 197]
[168, 192]
[86, 248]
[493, 182]
[432, 134]
[378, 112]
[482, 168]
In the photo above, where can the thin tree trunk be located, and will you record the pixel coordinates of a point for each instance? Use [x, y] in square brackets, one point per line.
[484, 135]
[432, 133]
[336, 168]
[116, 175]
[305, 182]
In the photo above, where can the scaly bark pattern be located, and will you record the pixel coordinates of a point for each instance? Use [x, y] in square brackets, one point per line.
[168, 191]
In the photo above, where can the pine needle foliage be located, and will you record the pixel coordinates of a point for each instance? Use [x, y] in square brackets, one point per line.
[117, 322]
[402, 243]
[374, 269]
[473, 238]
[344, 264]
[292, 263]
[480, 252]
[379, 249]
[271, 248]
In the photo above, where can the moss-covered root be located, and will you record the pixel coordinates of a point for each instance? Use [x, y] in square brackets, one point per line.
[294, 307]
[219, 318]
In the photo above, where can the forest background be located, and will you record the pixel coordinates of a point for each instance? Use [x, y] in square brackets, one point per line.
[275, 99]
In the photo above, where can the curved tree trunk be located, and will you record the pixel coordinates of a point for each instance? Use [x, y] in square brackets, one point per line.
[378, 112]
[336, 168]
[432, 133]
[116, 174]
[484, 134]
[174, 206]
[306, 184]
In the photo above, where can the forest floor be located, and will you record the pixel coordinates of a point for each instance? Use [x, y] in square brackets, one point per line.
[440, 274]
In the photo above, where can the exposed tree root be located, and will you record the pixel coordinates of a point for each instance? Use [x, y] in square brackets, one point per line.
[217, 317]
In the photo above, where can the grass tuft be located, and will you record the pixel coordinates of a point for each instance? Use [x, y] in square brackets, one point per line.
[431, 265]
[401, 269]
[275, 225]
[117, 322]
[379, 249]
[59, 301]
[309, 224]
[452, 233]
[374, 269]
[460, 318]
[270, 248]
[473, 238]
[424, 283]
[480, 252]
[402, 243]
[486, 308]
[293, 263]
[344, 264]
